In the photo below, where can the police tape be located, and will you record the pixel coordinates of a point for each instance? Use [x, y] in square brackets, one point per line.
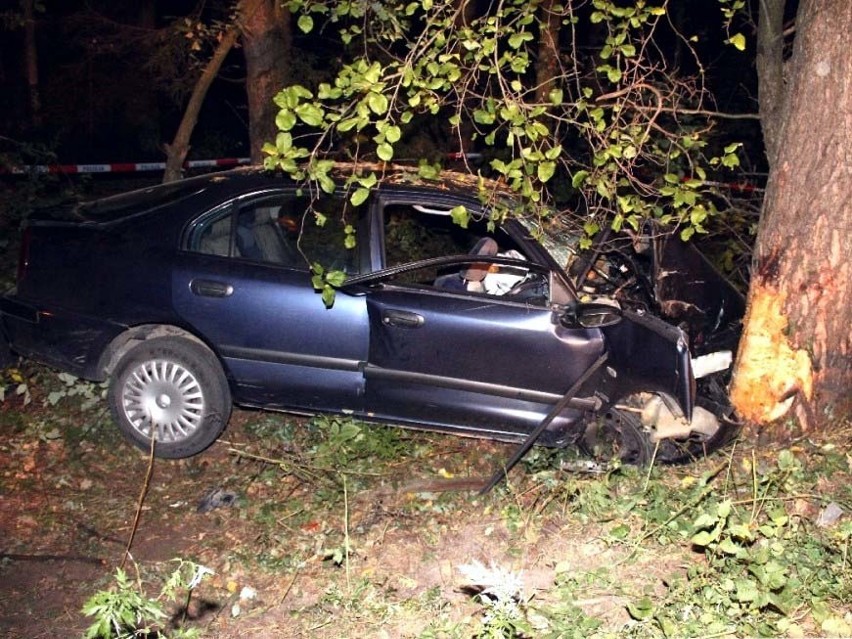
[120, 167]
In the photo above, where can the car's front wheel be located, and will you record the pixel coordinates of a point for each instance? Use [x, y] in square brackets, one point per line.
[171, 389]
[615, 435]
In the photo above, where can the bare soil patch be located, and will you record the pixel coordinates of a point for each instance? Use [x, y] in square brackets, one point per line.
[69, 501]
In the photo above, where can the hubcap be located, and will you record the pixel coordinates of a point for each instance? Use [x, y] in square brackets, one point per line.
[163, 399]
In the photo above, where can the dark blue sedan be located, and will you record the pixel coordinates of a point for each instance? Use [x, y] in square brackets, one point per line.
[191, 296]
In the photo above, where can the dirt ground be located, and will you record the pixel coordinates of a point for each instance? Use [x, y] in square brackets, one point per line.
[67, 510]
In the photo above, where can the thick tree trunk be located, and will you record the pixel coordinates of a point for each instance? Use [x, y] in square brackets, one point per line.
[31, 54]
[267, 46]
[770, 72]
[547, 63]
[797, 345]
[177, 150]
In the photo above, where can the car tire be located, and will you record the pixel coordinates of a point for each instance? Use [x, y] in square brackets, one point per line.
[174, 387]
[615, 435]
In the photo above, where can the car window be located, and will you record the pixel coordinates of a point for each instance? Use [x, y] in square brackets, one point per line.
[416, 232]
[284, 229]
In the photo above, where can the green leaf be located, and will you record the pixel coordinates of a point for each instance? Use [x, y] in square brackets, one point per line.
[738, 41]
[335, 278]
[746, 590]
[555, 96]
[359, 196]
[546, 170]
[703, 538]
[579, 178]
[348, 124]
[306, 23]
[285, 120]
[641, 610]
[393, 134]
[283, 142]
[460, 216]
[310, 114]
[516, 40]
[628, 50]
[620, 531]
[728, 547]
[483, 117]
[385, 152]
[378, 103]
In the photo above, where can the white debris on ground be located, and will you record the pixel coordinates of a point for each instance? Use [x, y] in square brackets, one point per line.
[500, 589]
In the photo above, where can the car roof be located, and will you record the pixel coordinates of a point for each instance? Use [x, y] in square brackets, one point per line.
[213, 188]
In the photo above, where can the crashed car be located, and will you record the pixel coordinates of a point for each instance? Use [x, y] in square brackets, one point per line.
[192, 296]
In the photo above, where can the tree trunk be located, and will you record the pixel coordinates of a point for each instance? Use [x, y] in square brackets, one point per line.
[267, 46]
[797, 344]
[770, 72]
[547, 63]
[31, 54]
[177, 150]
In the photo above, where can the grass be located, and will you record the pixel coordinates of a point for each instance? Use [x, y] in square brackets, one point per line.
[346, 531]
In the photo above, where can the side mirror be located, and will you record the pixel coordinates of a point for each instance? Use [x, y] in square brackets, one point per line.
[591, 315]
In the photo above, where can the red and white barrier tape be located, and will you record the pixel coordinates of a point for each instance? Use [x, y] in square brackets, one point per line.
[121, 167]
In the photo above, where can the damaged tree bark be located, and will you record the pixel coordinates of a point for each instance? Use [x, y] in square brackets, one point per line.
[797, 341]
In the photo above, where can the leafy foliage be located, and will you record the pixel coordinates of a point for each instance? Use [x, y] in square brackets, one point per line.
[619, 136]
[125, 611]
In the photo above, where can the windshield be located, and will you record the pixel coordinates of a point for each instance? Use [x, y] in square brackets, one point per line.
[561, 242]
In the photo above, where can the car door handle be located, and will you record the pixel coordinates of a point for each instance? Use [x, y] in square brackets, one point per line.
[211, 288]
[402, 319]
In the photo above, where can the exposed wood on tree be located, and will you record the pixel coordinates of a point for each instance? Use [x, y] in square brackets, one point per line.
[774, 366]
[800, 299]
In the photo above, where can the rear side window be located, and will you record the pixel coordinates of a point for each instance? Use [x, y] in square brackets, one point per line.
[284, 229]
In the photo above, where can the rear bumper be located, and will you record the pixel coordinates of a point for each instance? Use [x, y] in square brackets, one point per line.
[68, 341]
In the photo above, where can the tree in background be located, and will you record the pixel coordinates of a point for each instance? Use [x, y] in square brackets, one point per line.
[118, 78]
[263, 27]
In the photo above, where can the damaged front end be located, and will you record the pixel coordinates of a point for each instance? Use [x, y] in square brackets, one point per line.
[656, 274]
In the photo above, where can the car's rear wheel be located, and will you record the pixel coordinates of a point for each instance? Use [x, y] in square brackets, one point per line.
[615, 436]
[174, 390]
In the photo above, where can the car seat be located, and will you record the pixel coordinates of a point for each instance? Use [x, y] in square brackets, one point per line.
[470, 278]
